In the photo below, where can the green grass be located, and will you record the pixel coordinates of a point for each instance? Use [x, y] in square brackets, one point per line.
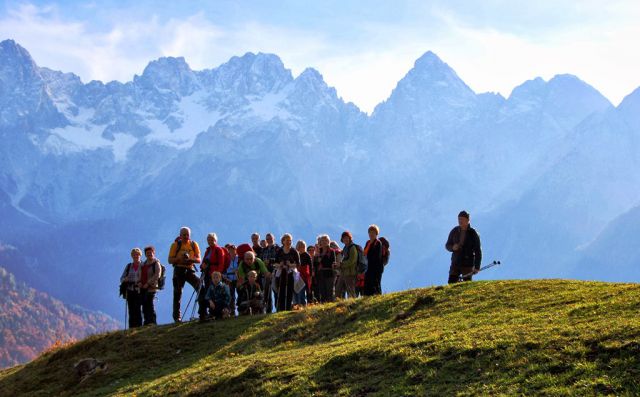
[547, 337]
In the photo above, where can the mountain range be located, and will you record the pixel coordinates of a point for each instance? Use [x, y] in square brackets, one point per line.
[90, 170]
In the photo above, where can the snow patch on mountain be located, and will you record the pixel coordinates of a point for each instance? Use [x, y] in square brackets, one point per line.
[82, 135]
[193, 118]
[270, 106]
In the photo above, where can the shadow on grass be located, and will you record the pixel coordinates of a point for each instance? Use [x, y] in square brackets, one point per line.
[311, 326]
[133, 357]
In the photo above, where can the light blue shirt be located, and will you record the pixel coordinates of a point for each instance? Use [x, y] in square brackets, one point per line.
[231, 270]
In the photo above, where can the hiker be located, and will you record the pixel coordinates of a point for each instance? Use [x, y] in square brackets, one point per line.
[217, 297]
[214, 260]
[336, 265]
[255, 244]
[252, 262]
[346, 283]
[375, 266]
[464, 245]
[304, 269]
[250, 299]
[268, 256]
[183, 255]
[326, 258]
[131, 280]
[287, 260]
[314, 251]
[231, 275]
[151, 270]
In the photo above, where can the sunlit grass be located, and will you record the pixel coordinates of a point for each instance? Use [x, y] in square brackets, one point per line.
[547, 337]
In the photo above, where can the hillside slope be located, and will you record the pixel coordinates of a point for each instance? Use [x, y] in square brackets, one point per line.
[31, 321]
[550, 337]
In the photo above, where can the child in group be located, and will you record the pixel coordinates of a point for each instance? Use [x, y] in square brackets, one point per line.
[250, 299]
[218, 297]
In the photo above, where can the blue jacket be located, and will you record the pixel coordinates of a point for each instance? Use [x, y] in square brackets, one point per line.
[219, 294]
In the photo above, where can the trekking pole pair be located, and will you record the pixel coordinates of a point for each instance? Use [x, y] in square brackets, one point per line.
[200, 285]
[492, 264]
[186, 309]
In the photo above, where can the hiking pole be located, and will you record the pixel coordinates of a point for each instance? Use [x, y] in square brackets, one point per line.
[267, 290]
[193, 309]
[126, 309]
[492, 264]
[186, 309]
[275, 282]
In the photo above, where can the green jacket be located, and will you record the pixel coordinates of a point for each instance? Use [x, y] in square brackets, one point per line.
[258, 266]
[349, 262]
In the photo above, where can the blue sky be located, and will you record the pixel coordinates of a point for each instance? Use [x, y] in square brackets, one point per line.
[361, 47]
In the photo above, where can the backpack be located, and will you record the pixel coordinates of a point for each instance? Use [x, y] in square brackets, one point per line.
[163, 276]
[227, 259]
[123, 285]
[243, 249]
[386, 251]
[361, 265]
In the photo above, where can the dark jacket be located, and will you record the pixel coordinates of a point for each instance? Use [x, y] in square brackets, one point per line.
[246, 292]
[470, 255]
[374, 256]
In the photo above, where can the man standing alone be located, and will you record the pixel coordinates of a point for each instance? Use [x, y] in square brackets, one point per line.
[464, 245]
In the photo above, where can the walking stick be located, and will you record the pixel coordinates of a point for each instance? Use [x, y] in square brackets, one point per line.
[492, 264]
[193, 308]
[278, 284]
[266, 286]
[126, 308]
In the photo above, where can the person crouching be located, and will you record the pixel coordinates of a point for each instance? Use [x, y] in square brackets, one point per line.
[250, 298]
[218, 297]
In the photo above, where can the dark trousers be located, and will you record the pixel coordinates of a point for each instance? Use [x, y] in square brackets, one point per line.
[252, 306]
[148, 306]
[326, 280]
[373, 282]
[180, 276]
[232, 292]
[285, 291]
[268, 298]
[217, 311]
[456, 271]
[315, 292]
[134, 307]
[203, 304]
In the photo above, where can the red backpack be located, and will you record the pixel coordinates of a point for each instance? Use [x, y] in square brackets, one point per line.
[243, 249]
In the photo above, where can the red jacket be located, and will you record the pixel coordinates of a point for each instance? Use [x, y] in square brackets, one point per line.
[217, 262]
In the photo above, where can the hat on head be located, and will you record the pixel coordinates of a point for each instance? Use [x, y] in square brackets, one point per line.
[463, 214]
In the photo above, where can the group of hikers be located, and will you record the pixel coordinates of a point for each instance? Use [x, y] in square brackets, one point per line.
[258, 277]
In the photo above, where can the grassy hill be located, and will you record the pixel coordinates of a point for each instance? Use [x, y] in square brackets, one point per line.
[547, 337]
